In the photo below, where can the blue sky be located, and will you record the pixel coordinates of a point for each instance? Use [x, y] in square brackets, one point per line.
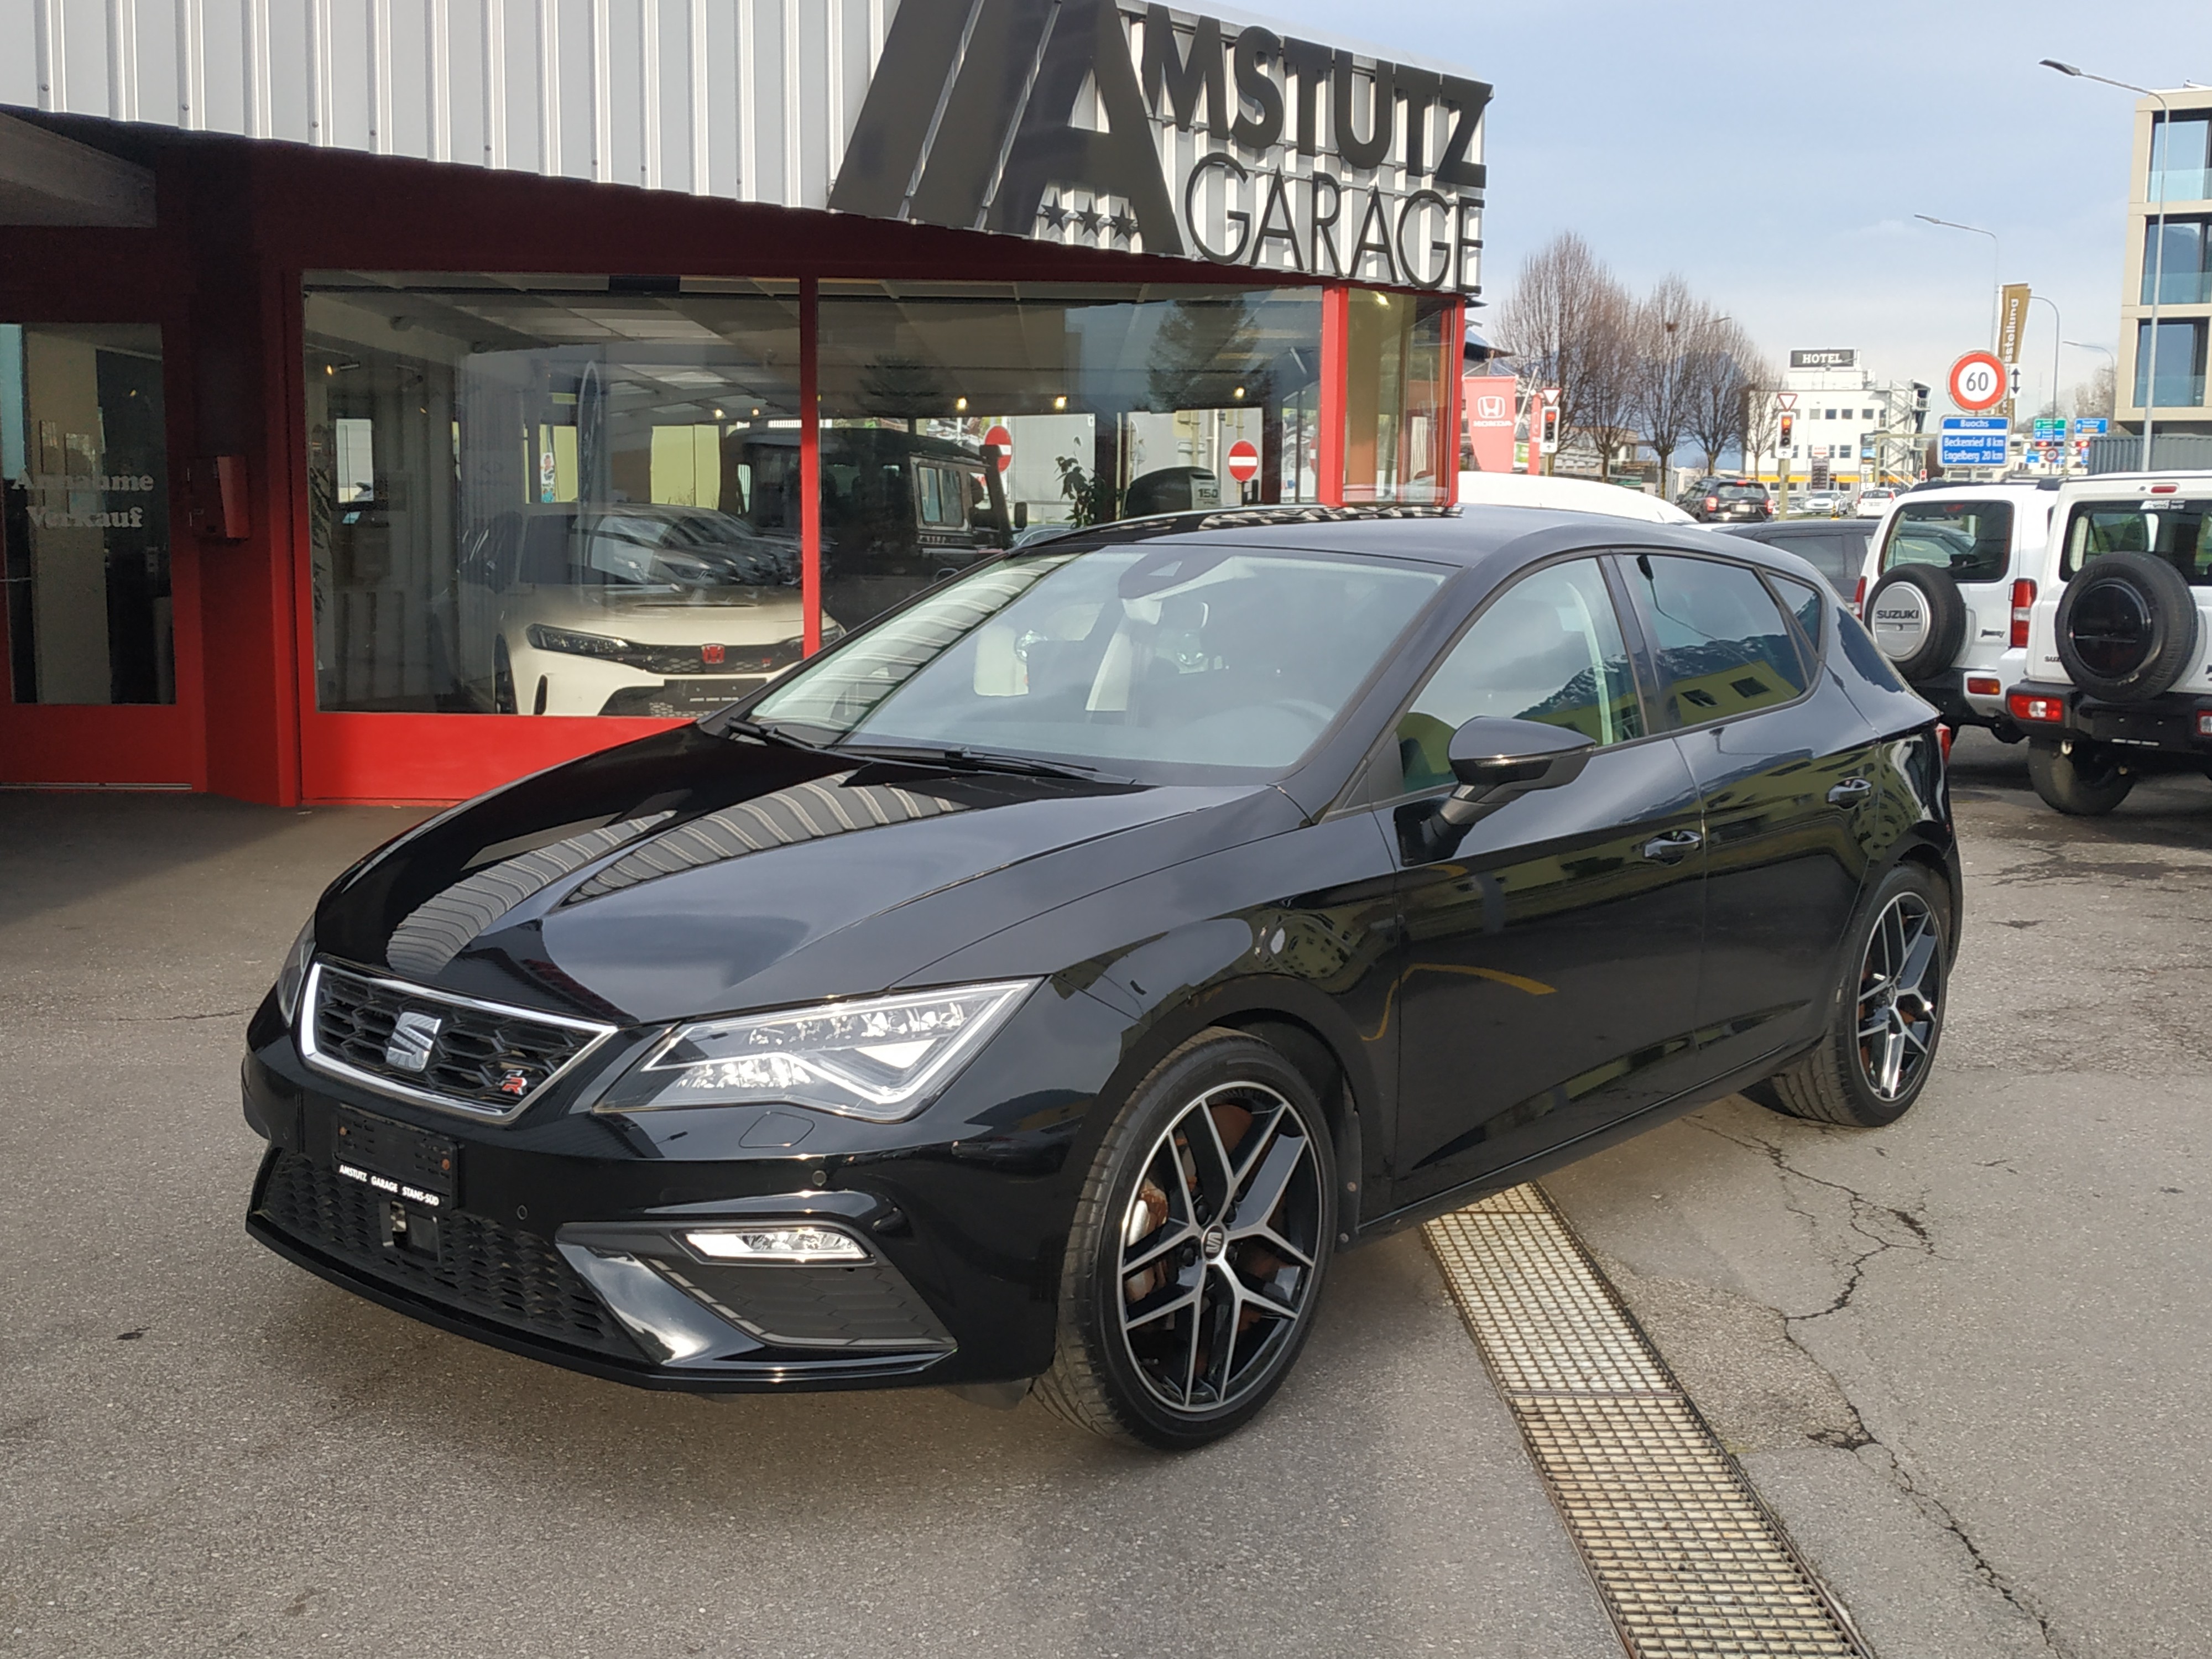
[1775, 154]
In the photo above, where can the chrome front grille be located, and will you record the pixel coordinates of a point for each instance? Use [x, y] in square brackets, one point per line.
[445, 1050]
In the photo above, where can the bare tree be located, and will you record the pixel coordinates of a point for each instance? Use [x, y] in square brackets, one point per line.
[2094, 395]
[1761, 418]
[1673, 326]
[1567, 320]
[1724, 366]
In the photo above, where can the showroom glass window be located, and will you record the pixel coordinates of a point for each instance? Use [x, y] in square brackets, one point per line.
[555, 496]
[1724, 647]
[1094, 404]
[1396, 398]
[84, 514]
[1972, 539]
[1549, 649]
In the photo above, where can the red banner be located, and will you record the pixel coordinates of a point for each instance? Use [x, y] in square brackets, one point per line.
[1487, 403]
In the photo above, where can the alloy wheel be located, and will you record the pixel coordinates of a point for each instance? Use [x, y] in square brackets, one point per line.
[1219, 1247]
[1900, 983]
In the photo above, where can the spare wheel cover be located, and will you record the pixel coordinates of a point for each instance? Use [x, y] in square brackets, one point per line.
[1900, 620]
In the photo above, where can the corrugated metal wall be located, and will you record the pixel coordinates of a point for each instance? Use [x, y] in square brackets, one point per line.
[747, 98]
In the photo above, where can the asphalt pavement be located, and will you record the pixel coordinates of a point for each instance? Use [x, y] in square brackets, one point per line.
[205, 1451]
[1964, 1357]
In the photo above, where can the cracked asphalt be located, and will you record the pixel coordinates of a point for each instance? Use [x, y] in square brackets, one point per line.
[1966, 1357]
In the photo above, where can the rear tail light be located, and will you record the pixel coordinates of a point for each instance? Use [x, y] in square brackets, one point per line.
[1711, 501]
[1858, 599]
[2034, 710]
[2023, 604]
[2204, 723]
[1983, 685]
[1943, 741]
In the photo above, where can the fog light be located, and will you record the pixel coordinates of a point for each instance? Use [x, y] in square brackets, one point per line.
[800, 1245]
[1982, 686]
[2044, 710]
[2204, 723]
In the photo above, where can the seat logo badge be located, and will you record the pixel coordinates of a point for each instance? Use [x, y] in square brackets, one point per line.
[516, 1084]
[1214, 1242]
[414, 1034]
[711, 656]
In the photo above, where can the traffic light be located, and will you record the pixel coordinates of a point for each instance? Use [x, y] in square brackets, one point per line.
[1919, 406]
[1788, 422]
[1551, 428]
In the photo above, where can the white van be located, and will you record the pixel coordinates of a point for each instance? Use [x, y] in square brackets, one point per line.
[2120, 641]
[1950, 575]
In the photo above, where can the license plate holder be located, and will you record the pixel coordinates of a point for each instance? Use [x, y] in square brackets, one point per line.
[2140, 728]
[396, 1160]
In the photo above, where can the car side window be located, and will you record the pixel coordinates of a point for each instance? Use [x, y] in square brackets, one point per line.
[1802, 601]
[1724, 648]
[1548, 649]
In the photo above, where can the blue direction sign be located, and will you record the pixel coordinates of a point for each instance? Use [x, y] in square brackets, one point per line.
[1973, 441]
[2091, 426]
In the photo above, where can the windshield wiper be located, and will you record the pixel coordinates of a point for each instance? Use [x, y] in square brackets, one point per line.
[737, 726]
[984, 760]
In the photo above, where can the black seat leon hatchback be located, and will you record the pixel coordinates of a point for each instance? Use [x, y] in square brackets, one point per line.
[1042, 985]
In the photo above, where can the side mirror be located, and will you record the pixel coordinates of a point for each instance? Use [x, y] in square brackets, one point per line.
[1497, 760]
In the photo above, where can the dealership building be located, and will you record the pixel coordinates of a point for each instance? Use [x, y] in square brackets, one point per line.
[397, 396]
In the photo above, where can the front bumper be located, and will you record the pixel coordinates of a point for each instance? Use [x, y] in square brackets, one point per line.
[2173, 723]
[562, 1236]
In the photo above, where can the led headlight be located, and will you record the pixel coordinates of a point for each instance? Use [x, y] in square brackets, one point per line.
[579, 645]
[294, 974]
[883, 1058]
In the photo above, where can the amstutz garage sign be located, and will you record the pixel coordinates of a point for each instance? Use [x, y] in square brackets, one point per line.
[1112, 126]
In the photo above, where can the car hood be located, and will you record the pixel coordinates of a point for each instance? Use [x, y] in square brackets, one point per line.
[688, 873]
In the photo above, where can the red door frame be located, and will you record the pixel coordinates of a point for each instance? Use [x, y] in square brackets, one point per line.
[89, 276]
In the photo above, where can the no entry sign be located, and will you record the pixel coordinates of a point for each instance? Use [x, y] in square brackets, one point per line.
[1243, 461]
[1003, 441]
[1979, 381]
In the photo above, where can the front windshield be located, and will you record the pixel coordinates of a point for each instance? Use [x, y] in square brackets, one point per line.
[1121, 659]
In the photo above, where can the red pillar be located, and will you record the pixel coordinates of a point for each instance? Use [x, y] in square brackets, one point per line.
[810, 462]
[1328, 461]
[1454, 372]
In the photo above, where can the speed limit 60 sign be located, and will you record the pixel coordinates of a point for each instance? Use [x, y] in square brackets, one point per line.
[1979, 381]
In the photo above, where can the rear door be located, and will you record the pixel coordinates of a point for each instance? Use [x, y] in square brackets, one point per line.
[1787, 771]
[1550, 964]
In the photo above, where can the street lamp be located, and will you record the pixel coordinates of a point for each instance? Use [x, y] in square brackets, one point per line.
[2157, 252]
[2057, 329]
[1996, 268]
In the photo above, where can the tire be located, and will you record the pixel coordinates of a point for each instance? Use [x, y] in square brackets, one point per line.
[1139, 1358]
[1919, 619]
[1887, 1015]
[2127, 627]
[502, 681]
[2083, 781]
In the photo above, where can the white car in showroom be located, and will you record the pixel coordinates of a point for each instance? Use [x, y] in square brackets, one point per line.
[629, 609]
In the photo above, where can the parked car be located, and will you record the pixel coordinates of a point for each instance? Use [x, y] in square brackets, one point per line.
[1837, 549]
[1873, 501]
[631, 610]
[1730, 500]
[2118, 639]
[1049, 980]
[1820, 503]
[1949, 579]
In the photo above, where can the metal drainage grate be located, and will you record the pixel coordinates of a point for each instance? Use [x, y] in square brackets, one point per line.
[1687, 1560]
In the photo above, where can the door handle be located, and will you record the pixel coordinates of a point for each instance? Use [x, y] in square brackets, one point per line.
[1672, 846]
[1850, 793]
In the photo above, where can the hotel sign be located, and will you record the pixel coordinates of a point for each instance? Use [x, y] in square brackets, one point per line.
[1100, 124]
